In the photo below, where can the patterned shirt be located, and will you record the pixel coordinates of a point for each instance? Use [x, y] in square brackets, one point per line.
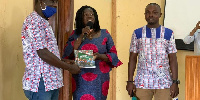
[37, 34]
[196, 38]
[153, 46]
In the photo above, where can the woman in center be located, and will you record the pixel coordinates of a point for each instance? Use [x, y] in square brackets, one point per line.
[91, 83]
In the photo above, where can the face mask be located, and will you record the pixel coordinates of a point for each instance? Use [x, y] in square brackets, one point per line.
[49, 11]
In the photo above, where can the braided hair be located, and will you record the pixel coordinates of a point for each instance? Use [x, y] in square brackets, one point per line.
[79, 20]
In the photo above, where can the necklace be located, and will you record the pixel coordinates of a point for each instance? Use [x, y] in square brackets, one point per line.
[92, 35]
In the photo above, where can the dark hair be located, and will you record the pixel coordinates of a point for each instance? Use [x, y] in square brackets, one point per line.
[36, 1]
[79, 20]
[154, 4]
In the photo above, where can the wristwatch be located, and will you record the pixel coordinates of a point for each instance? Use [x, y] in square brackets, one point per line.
[176, 81]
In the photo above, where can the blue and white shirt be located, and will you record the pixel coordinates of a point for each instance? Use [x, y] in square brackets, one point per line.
[153, 46]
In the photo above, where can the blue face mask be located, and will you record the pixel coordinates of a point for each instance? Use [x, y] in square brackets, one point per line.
[49, 11]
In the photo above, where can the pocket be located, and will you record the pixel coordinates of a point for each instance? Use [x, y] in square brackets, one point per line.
[28, 94]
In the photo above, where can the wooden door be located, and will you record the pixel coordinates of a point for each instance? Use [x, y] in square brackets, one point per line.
[65, 27]
[192, 78]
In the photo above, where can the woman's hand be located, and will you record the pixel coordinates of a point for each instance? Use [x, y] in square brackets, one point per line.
[86, 30]
[79, 40]
[102, 57]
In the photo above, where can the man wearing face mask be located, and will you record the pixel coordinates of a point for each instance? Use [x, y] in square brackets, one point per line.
[43, 73]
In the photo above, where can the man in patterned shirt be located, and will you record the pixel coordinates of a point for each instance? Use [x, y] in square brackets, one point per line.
[157, 68]
[43, 74]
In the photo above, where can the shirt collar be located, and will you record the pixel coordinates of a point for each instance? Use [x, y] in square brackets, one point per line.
[153, 28]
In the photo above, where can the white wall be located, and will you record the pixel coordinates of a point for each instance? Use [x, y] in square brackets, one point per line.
[181, 16]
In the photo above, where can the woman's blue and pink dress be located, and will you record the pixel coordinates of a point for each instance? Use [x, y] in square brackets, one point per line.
[93, 83]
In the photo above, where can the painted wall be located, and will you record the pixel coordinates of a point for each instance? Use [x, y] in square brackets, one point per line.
[12, 66]
[130, 15]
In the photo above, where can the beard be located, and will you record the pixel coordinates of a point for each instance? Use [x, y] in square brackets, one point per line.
[151, 23]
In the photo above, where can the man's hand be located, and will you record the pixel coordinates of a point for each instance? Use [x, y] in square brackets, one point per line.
[174, 90]
[74, 69]
[130, 87]
[198, 25]
[195, 29]
[68, 61]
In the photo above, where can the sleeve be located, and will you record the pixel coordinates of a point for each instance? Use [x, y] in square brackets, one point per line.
[37, 35]
[171, 48]
[188, 39]
[68, 49]
[112, 52]
[134, 43]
